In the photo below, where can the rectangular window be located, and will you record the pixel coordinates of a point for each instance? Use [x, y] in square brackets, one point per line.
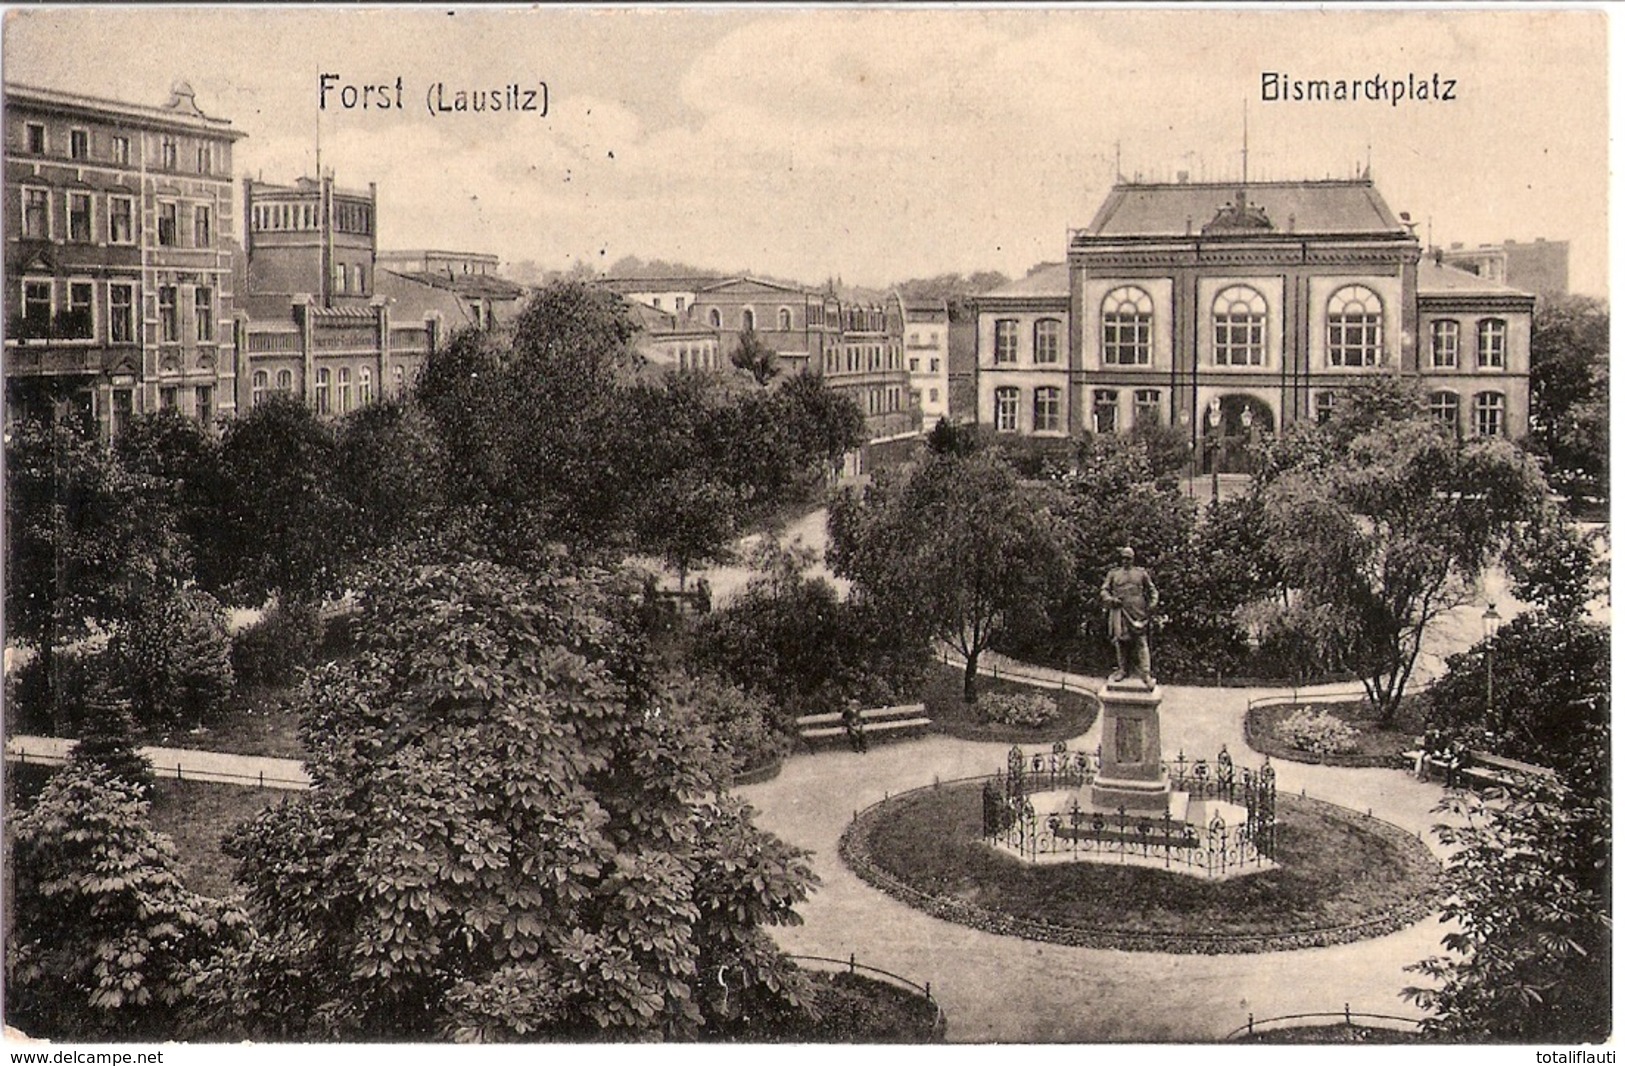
[913, 364]
[37, 308]
[120, 221]
[933, 395]
[1446, 407]
[1105, 410]
[1489, 414]
[120, 314]
[1446, 344]
[79, 217]
[1147, 407]
[1126, 339]
[168, 398]
[1046, 409]
[205, 159]
[679, 303]
[36, 138]
[203, 403]
[121, 151]
[168, 213]
[1006, 409]
[1047, 341]
[79, 323]
[202, 232]
[1492, 344]
[1005, 339]
[1356, 340]
[169, 326]
[36, 213]
[169, 154]
[203, 304]
[79, 144]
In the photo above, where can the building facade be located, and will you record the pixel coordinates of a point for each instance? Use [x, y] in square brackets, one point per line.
[1023, 367]
[118, 268]
[925, 346]
[312, 239]
[1231, 312]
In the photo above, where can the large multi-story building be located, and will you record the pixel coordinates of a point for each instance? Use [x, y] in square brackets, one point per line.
[118, 267]
[1232, 311]
[319, 323]
[1539, 266]
[1024, 377]
[925, 345]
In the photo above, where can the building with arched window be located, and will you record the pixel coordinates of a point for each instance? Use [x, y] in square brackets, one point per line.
[1230, 311]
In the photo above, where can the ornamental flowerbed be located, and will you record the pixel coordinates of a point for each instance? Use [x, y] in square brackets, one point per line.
[1005, 711]
[1335, 734]
[1342, 877]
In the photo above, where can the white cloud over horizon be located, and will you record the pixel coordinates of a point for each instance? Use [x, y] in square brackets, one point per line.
[871, 144]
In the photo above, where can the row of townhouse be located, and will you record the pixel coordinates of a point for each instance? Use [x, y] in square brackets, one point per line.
[854, 341]
[1230, 312]
[128, 292]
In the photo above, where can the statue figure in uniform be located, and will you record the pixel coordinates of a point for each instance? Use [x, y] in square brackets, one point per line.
[1130, 597]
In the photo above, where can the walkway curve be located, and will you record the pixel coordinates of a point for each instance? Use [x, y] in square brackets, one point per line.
[1000, 988]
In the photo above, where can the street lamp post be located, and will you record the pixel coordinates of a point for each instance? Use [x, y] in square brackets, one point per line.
[1492, 625]
[1213, 444]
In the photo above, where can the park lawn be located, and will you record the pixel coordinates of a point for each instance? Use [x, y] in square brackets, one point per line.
[1333, 872]
[197, 816]
[1375, 744]
[943, 690]
[257, 723]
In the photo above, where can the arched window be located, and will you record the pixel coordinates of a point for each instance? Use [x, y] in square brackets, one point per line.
[1354, 327]
[344, 390]
[364, 385]
[716, 318]
[784, 318]
[747, 318]
[1006, 408]
[1238, 326]
[262, 382]
[1489, 414]
[1492, 344]
[1446, 407]
[324, 388]
[1446, 344]
[1047, 340]
[284, 381]
[1005, 339]
[1125, 327]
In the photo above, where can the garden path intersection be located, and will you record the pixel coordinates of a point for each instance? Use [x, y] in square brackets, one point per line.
[1003, 988]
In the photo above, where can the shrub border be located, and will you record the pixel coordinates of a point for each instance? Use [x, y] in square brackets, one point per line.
[1276, 749]
[758, 774]
[854, 851]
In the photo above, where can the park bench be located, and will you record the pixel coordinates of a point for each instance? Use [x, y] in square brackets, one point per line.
[906, 719]
[1480, 769]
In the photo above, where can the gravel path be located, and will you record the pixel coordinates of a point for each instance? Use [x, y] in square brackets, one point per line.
[216, 766]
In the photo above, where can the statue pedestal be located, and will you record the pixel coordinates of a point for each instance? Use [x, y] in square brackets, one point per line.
[1131, 773]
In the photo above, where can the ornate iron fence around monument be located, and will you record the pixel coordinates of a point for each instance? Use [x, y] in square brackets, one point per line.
[1212, 846]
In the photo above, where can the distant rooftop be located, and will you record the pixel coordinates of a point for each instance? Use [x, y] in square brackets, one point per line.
[1433, 278]
[182, 109]
[1134, 209]
[1046, 279]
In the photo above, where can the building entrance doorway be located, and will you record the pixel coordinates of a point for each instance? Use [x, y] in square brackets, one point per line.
[1231, 425]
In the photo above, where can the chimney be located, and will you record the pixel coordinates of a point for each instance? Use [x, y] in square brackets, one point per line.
[1183, 177]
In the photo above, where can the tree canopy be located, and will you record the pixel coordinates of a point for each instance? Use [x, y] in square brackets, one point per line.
[514, 833]
[953, 546]
[1568, 393]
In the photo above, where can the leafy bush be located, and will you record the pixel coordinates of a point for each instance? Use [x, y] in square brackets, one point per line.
[272, 649]
[1317, 731]
[742, 724]
[174, 658]
[28, 692]
[1025, 709]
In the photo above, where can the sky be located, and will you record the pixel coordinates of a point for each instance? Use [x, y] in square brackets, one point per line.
[869, 145]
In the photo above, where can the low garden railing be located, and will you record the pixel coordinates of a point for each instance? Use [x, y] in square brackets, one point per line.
[1345, 1016]
[851, 965]
[1211, 846]
[258, 779]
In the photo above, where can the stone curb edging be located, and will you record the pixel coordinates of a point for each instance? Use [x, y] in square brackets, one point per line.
[854, 851]
[757, 775]
[1276, 750]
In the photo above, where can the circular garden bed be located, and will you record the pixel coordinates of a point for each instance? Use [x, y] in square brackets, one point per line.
[1372, 744]
[1342, 877]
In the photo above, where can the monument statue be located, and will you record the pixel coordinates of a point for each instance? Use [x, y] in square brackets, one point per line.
[1130, 597]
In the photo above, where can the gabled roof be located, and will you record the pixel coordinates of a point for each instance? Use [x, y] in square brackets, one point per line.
[1133, 209]
[1046, 279]
[472, 285]
[680, 283]
[752, 285]
[1435, 279]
